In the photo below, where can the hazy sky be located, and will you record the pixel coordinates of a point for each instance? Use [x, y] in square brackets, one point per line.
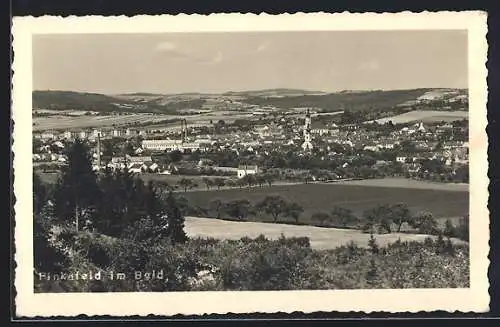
[220, 62]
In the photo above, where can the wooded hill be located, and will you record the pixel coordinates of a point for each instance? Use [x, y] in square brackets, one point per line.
[378, 100]
[67, 100]
[353, 101]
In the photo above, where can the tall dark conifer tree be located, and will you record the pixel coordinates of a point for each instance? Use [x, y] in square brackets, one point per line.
[152, 203]
[139, 197]
[126, 194]
[39, 193]
[77, 191]
[175, 227]
[120, 202]
[107, 215]
[47, 258]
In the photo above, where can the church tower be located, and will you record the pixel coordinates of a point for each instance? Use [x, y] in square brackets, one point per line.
[184, 132]
[99, 150]
[307, 145]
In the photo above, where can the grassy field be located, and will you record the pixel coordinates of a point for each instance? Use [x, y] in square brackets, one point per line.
[409, 183]
[426, 116]
[70, 122]
[75, 122]
[443, 200]
[320, 238]
[322, 197]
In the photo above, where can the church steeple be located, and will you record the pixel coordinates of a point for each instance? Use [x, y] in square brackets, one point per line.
[307, 145]
[99, 149]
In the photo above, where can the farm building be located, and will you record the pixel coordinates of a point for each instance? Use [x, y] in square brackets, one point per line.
[115, 160]
[386, 145]
[68, 135]
[171, 145]
[117, 133]
[403, 159]
[131, 132]
[372, 147]
[192, 146]
[161, 145]
[82, 135]
[138, 159]
[150, 167]
[244, 170]
[49, 135]
[135, 168]
[319, 128]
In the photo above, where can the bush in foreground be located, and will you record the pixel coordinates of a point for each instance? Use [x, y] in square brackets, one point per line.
[262, 264]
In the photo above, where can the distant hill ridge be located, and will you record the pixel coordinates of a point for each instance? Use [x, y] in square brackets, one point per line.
[277, 91]
[81, 101]
[346, 100]
[63, 100]
[274, 92]
[281, 98]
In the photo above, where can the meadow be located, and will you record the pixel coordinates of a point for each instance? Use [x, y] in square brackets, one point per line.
[426, 116]
[358, 198]
[442, 200]
[408, 183]
[75, 122]
[72, 122]
[321, 238]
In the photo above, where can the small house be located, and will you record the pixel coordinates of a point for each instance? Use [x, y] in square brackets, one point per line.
[319, 128]
[244, 170]
[373, 148]
[135, 168]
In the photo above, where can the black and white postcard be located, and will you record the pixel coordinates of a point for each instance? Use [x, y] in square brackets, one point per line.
[247, 163]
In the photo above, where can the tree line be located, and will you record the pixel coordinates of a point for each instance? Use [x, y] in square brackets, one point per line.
[275, 206]
[110, 204]
[381, 219]
[185, 184]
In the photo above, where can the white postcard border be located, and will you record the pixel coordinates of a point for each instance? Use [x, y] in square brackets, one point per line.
[29, 304]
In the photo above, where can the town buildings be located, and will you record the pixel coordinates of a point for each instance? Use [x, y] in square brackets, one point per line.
[324, 139]
[161, 145]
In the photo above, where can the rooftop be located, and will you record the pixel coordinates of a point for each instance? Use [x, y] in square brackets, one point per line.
[247, 167]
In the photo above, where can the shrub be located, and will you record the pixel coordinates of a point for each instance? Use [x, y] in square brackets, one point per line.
[261, 264]
[294, 241]
[320, 217]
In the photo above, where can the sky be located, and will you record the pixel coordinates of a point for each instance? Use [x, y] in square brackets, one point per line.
[326, 61]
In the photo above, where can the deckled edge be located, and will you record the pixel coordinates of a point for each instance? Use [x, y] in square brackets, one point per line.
[128, 17]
